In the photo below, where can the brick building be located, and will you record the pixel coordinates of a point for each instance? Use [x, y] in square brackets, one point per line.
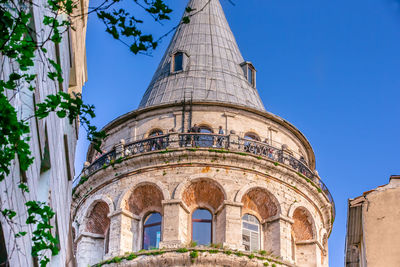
[201, 174]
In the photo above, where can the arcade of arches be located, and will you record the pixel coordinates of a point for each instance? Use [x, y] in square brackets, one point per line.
[205, 209]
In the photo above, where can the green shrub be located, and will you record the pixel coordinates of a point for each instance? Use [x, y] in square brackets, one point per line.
[194, 254]
[228, 252]
[131, 256]
[182, 250]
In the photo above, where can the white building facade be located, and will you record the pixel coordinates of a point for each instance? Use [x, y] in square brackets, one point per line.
[52, 142]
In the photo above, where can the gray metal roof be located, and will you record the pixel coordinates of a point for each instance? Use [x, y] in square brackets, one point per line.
[213, 72]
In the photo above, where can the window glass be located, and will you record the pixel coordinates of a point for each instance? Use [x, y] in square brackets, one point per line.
[178, 61]
[205, 140]
[250, 75]
[201, 226]
[250, 232]
[152, 231]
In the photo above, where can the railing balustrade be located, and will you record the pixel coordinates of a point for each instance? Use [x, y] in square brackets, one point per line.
[103, 160]
[147, 145]
[203, 140]
[208, 140]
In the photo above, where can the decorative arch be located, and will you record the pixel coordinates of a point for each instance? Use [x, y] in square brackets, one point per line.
[93, 201]
[206, 127]
[121, 204]
[97, 220]
[144, 198]
[252, 136]
[201, 192]
[304, 225]
[258, 201]
[153, 131]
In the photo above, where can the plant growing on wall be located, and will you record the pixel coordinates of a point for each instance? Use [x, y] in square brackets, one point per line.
[24, 49]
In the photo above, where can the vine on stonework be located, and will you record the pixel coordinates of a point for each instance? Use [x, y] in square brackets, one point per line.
[21, 47]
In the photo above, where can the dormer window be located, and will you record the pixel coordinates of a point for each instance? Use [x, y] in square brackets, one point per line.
[179, 61]
[249, 72]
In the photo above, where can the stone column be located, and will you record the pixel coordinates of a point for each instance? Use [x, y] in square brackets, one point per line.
[277, 236]
[90, 249]
[229, 225]
[175, 224]
[173, 140]
[308, 253]
[233, 141]
[123, 229]
[119, 149]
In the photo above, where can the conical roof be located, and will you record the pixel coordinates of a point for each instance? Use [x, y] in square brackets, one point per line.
[213, 72]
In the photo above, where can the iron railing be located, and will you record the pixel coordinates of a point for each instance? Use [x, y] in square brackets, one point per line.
[203, 140]
[207, 140]
[101, 161]
[277, 155]
[147, 145]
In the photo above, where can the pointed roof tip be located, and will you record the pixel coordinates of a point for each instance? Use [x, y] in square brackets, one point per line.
[208, 63]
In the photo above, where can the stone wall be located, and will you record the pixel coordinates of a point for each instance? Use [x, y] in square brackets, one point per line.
[186, 177]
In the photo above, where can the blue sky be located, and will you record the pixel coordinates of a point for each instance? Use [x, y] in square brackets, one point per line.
[332, 68]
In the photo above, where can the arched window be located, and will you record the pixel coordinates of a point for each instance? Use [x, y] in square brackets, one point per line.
[206, 140]
[252, 136]
[152, 231]
[251, 147]
[202, 227]
[250, 232]
[155, 132]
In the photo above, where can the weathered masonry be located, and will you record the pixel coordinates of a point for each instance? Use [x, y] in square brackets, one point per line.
[201, 174]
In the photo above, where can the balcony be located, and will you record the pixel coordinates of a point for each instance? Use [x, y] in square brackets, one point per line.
[217, 142]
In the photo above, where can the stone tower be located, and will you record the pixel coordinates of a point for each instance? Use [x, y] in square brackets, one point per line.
[201, 174]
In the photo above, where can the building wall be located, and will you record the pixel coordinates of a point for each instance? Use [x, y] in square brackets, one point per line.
[381, 217]
[179, 180]
[372, 227]
[54, 185]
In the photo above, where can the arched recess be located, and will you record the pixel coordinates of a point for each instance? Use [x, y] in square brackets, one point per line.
[252, 136]
[304, 233]
[141, 200]
[156, 185]
[303, 226]
[155, 132]
[258, 201]
[202, 192]
[144, 198]
[262, 204]
[207, 194]
[94, 240]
